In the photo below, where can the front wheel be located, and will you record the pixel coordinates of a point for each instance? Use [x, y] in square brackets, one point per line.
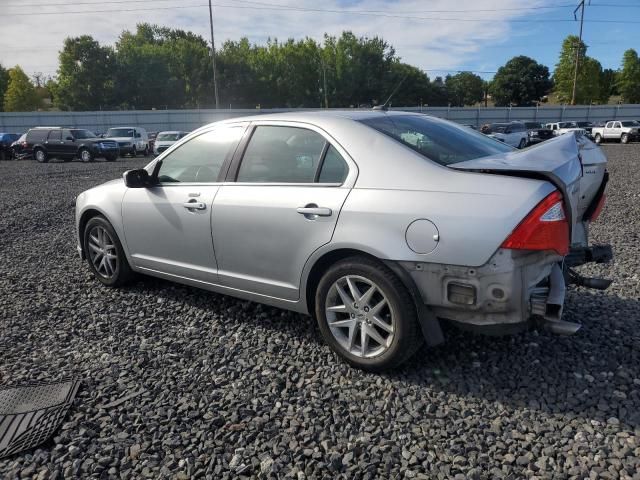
[366, 315]
[624, 138]
[598, 139]
[86, 156]
[104, 253]
[523, 144]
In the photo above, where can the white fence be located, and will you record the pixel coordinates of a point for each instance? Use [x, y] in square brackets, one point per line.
[158, 120]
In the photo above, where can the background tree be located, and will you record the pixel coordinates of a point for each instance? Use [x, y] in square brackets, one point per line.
[4, 83]
[521, 82]
[20, 95]
[608, 84]
[629, 77]
[85, 74]
[589, 73]
[464, 88]
[414, 90]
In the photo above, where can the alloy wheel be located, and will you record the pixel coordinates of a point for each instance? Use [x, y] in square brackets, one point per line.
[359, 316]
[85, 155]
[102, 252]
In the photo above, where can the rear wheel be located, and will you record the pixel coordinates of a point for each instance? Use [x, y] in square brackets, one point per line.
[624, 138]
[366, 315]
[40, 155]
[598, 139]
[104, 253]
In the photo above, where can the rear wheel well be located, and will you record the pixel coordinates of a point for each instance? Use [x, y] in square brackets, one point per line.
[321, 266]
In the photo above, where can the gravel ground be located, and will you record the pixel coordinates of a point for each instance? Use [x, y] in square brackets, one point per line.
[227, 388]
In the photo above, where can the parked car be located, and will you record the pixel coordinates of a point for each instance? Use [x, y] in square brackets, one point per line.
[560, 128]
[165, 139]
[437, 222]
[44, 143]
[131, 140]
[587, 126]
[511, 133]
[6, 139]
[624, 131]
[537, 132]
[18, 148]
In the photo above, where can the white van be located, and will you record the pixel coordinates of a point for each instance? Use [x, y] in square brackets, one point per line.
[132, 140]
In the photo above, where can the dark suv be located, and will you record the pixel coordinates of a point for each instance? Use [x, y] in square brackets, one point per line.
[68, 143]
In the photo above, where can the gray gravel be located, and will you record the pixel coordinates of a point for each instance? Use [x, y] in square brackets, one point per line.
[180, 383]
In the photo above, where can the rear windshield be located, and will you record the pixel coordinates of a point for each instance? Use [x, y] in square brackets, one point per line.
[443, 142]
[169, 137]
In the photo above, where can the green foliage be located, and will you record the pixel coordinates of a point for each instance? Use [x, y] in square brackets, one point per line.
[464, 88]
[85, 75]
[521, 82]
[589, 74]
[628, 81]
[4, 83]
[20, 95]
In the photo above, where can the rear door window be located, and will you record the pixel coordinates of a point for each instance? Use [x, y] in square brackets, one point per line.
[334, 168]
[55, 135]
[279, 154]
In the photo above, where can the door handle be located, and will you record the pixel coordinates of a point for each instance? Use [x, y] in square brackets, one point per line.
[194, 205]
[314, 211]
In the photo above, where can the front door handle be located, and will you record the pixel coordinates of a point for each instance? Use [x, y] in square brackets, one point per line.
[312, 211]
[193, 205]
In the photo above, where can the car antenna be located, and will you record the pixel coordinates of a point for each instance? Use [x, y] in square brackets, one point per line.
[385, 106]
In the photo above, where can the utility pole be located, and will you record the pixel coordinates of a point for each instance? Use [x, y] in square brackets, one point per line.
[577, 62]
[213, 54]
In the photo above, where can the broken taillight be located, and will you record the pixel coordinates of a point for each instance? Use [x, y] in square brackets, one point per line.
[545, 228]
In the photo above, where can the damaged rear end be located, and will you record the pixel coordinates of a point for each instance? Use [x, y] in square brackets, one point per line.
[526, 278]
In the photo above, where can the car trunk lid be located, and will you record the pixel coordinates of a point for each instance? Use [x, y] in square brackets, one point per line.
[561, 161]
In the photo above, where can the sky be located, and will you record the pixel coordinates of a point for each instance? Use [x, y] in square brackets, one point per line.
[438, 36]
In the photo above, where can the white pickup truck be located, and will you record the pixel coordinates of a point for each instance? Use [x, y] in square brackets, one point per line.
[624, 131]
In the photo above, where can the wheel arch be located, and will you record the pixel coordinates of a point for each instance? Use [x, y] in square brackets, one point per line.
[429, 324]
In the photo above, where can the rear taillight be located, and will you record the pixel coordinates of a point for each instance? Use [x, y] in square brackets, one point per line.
[545, 228]
[598, 209]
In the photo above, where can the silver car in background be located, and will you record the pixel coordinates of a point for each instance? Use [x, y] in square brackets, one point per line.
[379, 224]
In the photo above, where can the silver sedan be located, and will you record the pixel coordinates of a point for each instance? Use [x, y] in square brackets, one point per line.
[379, 224]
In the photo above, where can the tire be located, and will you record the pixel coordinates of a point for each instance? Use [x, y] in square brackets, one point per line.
[624, 138]
[85, 155]
[40, 155]
[401, 336]
[99, 238]
[523, 144]
[598, 139]
[146, 150]
[134, 152]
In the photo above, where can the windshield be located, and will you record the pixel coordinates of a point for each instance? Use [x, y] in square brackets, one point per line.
[532, 125]
[437, 140]
[630, 123]
[585, 124]
[499, 127]
[568, 125]
[120, 132]
[80, 134]
[168, 137]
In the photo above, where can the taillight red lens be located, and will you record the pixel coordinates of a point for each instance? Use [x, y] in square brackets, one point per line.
[545, 228]
[598, 210]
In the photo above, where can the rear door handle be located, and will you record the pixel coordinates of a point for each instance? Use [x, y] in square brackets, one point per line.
[194, 205]
[314, 211]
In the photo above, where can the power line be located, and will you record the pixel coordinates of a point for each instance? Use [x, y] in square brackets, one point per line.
[275, 7]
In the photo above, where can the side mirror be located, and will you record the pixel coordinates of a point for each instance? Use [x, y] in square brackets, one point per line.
[138, 178]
